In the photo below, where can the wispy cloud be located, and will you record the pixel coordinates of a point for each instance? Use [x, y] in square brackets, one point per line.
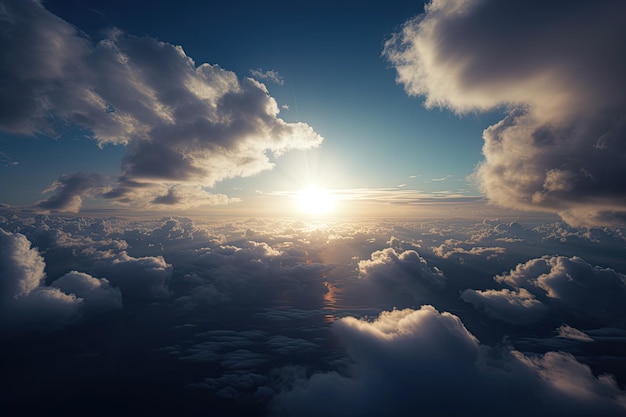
[398, 195]
[271, 76]
[7, 160]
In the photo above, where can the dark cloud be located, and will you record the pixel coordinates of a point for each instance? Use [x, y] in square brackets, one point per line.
[183, 123]
[587, 291]
[143, 278]
[557, 69]
[29, 305]
[40, 55]
[69, 191]
[97, 294]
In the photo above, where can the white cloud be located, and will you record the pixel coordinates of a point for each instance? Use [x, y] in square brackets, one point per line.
[446, 251]
[515, 307]
[27, 304]
[21, 268]
[387, 264]
[97, 295]
[582, 289]
[558, 72]
[183, 124]
[422, 361]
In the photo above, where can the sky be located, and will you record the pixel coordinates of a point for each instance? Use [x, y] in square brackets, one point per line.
[328, 72]
[336, 208]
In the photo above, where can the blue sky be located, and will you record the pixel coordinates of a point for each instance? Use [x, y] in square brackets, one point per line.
[390, 109]
[334, 78]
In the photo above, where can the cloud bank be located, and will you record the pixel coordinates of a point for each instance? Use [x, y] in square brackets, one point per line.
[28, 305]
[416, 361]
[267, 315]
[185, 126]
[557, 69]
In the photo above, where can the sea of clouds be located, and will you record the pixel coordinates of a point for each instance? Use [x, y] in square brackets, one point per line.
[292, 317]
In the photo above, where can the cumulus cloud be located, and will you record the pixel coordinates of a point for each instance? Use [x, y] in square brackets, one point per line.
[182, 123]
[140, 278]
[516, 307]
[30, 305]
[97, 294]
[21, 267]
[389, 264]
[572, 284]
[403, 277]
[409, 361]
[558, 71]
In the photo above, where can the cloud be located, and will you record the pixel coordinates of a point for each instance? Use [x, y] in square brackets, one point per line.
[404, 276]
[97, 294]
[558, 72]
[29, 305]
[388, 263]
[515, 307]
[446, 251]
[270, 75]
[7, 160]
[587, 291]
[183, 124]
[408, 361]
[69, 191]
[21, 268]
[215, 299]
[139, 278]
[568, 332]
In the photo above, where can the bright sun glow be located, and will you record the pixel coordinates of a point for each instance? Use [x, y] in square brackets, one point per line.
[315, 201]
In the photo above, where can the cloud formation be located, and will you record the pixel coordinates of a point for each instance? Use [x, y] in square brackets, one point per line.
[397, 277]
[561, 146]
[29, 305]
[183, 124]
[408, 361]
[515, 307]
[69, 191]
[587, 291]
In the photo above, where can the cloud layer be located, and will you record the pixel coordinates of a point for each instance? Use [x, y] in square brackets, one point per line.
[557, 69]
[266, 315]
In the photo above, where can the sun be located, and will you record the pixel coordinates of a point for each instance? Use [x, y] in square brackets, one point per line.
[316, 201]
